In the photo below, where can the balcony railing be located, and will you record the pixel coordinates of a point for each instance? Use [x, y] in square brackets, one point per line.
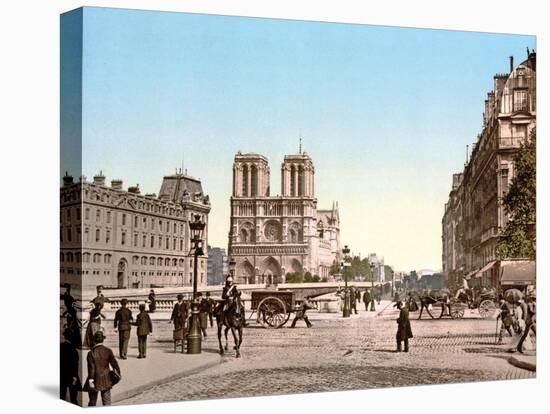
[510, 142]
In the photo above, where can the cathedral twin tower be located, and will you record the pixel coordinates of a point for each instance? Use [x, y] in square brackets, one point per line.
[271, 236]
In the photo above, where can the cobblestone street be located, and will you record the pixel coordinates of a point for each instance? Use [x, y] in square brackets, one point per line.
[338, 354]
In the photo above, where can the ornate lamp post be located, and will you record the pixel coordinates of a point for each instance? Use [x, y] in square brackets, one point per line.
[194, 340]
[372, 303]
[347, 311]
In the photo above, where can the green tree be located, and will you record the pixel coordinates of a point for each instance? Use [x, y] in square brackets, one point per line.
[308, 277]
[519, 236]
[316, 278]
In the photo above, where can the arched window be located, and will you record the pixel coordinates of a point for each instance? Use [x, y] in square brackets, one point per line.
[97, 258]
[167, 262]
[292, 181]
[78, 257]
[135, 259]
[97, 235]
[61, 257]
[69, 257]
[107, 258]
[181, 262]
[245, 181]
[254, 181]
[174, 262]
[159, 262]
[244, 236]
[301, 178]
[151, 261]
[152, 241]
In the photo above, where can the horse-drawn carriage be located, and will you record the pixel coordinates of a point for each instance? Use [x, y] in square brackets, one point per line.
[272, 307]
[485, 302]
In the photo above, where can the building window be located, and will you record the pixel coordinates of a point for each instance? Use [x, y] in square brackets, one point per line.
[78, 213]
[108, 217]
[181, 244]
[97, 258]
[61, 234]
[175, 228]
[69, 214]
[98, 215]
[181, 229]
[135, 239]
[144, 241]
[97, 235]
[167, 262]
[123, 219]
[123, 238]
[135, 260]
[159, 262]
[78, 234]
[160, 225]
[152, 241]
[174, 262]
[520, 100]
[62, 257]
[151, 261]
[160, 242]
[145, 222]
[87, 214]
[107, 236]
[86, 235]
[181, 262]
[174, 244]
[69, 234]
[167, 243]
[136, 218]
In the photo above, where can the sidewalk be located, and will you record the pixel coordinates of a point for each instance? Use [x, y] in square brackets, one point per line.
[527, 361]
[159, 367]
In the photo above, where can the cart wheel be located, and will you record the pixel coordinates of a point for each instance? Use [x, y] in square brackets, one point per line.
[487, 308]
[272, 312]
[457, 310]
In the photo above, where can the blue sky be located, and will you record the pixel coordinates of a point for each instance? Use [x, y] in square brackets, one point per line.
[385, 113]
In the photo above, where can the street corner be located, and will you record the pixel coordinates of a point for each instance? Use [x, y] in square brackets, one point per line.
[161, 366]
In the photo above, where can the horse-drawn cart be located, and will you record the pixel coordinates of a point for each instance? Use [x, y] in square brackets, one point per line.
[485, 304]
[272, 307]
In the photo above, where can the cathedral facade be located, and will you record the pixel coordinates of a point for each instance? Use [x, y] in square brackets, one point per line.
[271, 236]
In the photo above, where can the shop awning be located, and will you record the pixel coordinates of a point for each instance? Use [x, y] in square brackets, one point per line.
[479, 273]
[521, 272]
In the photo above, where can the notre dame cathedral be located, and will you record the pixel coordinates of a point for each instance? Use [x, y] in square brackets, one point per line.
[273, 235]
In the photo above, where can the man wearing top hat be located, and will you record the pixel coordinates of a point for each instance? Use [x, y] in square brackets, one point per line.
[123, 321]
[404, 331]
[180, 314]
[100, 360]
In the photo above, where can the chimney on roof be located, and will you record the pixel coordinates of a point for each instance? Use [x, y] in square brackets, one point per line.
[511, 64]
[134, 189]
[116, 184]
[99, 179]
[68, 179]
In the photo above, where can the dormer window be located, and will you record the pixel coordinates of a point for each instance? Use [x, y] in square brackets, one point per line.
[520, 100]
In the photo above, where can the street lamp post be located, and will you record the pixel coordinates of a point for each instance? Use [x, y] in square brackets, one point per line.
[346, 311]
[194, 340]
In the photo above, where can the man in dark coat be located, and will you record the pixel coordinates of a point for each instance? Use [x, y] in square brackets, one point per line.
[123, 321]
[301, 313]
[204, 308]
[100, 378]
[404, 331]
[180, 314]
[353, 303]
[69, 378]
[229, 292]
[144, 328]
[69, 302]
[152, 301]
[530, 321]
[366, 299]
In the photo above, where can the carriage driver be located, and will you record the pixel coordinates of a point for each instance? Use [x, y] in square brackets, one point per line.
[230, 291]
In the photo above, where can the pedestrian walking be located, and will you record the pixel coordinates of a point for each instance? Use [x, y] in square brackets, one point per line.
[353, 303]
[404, 330]
[366, 299]
[301, 313]
[144, 328]
[100, 298]
[204, 308]
[152, 298]
[530, 322]
[506, 317]
[69, 378]
[94, 324]
[123, 323]
[101, 378]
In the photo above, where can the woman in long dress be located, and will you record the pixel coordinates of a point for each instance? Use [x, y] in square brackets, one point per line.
[94, 324]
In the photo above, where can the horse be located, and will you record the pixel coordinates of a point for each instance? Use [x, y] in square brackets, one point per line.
[230, 318]
[425, 300]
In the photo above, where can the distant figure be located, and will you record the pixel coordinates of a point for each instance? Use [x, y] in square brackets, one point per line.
[212, 305]
[71, 318]
[94, 324]
[152, 301]
[530, 322]
[366, 299]
[404, 330]
[69, 302]
[69, 378]
[301, 313]
[204, 308]
[144, 328]
[100, 377]
[122, 323]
